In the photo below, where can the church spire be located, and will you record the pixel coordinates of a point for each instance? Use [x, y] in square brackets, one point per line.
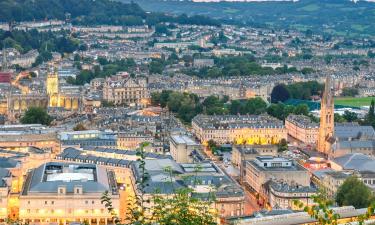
[326, 128]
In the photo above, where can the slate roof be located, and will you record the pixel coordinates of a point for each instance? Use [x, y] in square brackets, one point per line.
[36, 182]
[356, 161]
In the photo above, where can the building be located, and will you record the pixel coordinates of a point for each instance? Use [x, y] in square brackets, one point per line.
[265, 168]
[126, 90]
[5, 185]
[183, 148]
[281, 195]
[85, 138]
[331, 181]
[302, 129]
[326, 127]
[229, 196]
[239, 129]
[242, 153]
[352, 138]
[199, 63]
[132, 139]
[64, 193]
[67, 100]
[353, 162]
[286, 217]
[21, 137]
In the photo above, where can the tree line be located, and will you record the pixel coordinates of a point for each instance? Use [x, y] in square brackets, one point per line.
[106, 68]
[187, 106]
[88, 12]
[299, 90]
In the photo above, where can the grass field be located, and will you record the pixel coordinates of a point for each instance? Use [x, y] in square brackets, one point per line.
[356, 102]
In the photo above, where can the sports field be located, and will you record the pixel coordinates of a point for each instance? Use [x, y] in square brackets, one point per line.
[356, 102]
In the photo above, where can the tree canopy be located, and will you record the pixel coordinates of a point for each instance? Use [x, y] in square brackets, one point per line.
[36, 115]
[354, 192]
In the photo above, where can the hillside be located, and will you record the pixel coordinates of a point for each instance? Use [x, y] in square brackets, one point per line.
[89, 12]
[341, 17]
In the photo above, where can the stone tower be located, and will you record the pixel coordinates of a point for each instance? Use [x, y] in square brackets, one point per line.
[52, 86]
[326, 128]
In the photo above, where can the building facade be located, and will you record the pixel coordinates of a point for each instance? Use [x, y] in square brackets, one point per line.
[265, 168]
[302, 129]
[126, 90]
[244, 129]
[64, 193]
[182, 148]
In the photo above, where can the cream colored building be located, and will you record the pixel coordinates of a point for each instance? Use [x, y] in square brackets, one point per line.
[131, 140]
[21, 140]
[265, 168]
[282, 195]
[5, 177]
[244, 129]
[302, 128]
[182, 148]
[241, 153]
[126, 90]
[64, 193]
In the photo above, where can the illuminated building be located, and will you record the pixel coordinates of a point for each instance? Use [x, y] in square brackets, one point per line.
[21, 137]
[244, 129]
[5, 180]
[126, 90]
[302, 128]
[64, 193]
[326, 128]
[84, 138]
[67, 99]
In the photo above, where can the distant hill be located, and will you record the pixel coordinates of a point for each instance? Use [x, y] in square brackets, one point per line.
[89, 12]
[341, 17]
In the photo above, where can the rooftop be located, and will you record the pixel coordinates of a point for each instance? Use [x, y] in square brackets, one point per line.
[47, 178]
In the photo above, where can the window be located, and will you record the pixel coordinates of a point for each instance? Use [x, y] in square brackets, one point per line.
[77, 191]
[45, 202]
[52, 202]
[86, 202]
[93, 202]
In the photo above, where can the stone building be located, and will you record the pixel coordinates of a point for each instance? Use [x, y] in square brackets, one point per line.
[302, 128]
[126, 90]
[65, 193]
[243, 129]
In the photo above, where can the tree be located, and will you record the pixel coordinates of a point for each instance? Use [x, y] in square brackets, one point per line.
[354, 192]
[179, 207]
[350, 116]
[283, 145]
[370, 117]
[279, 94]
[79, 127]
[321, 211]
[36, 115]
[352, 92]
[211, 145]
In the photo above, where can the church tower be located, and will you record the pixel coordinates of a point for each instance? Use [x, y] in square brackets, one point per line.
[326, 128]
[52, 86]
